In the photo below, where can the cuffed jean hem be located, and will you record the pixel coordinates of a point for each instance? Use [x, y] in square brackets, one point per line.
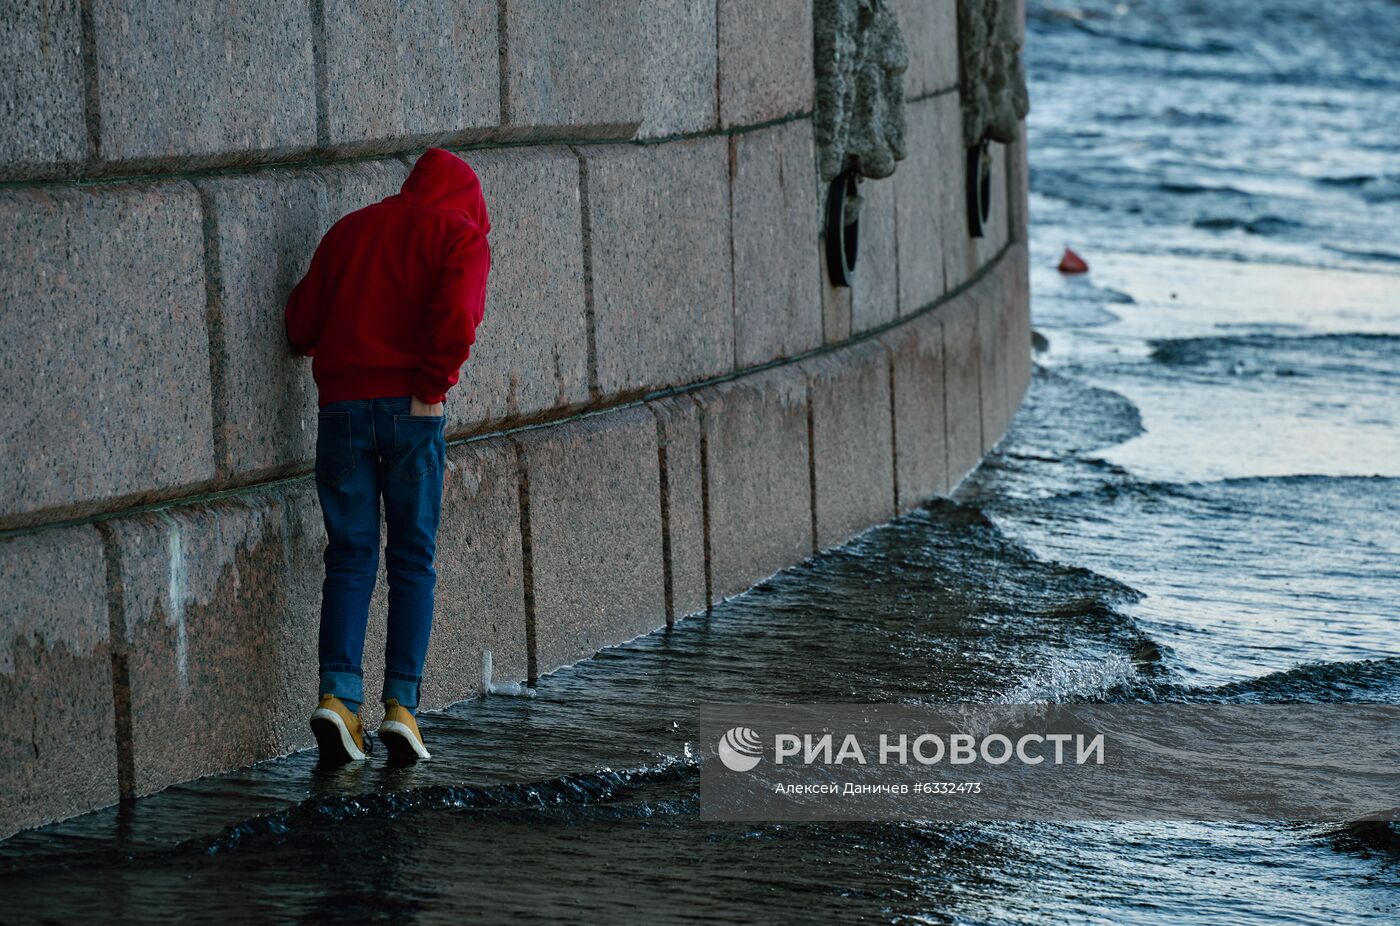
[403, 688]
[347, 685]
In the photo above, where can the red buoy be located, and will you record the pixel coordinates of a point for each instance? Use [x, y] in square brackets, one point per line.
[1072, 263]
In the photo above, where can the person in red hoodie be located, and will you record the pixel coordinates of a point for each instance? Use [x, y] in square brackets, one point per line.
[388, 310]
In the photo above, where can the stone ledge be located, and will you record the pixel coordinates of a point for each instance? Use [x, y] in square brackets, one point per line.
[150, 169]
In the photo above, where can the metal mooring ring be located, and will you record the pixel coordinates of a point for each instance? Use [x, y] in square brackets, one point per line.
[979, 188]
[842, 238]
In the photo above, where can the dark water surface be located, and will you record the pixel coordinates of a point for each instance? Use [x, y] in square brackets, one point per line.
[1198, 502]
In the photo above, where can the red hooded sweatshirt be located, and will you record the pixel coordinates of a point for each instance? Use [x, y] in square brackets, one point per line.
[395, 290]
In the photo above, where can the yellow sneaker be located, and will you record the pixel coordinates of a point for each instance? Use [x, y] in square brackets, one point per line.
[339, 733]
[399, 734]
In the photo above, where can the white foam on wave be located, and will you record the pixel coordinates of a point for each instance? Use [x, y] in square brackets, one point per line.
[1072, 680]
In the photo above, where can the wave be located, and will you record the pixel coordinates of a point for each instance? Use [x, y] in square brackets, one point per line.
[1262, 225]
[1236, 499]
[1264, 41]
[1368, 353]
[1364, 254]
[572, 790]
[1206, 46]
[1350, 180]
[1367, 836]
[1365, 681]
[1100, 417]
[1117, 678]
[1373, 188]
[1195, 189]
[1074, 681]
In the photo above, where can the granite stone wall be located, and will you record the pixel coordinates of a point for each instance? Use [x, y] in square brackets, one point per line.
[668, 401]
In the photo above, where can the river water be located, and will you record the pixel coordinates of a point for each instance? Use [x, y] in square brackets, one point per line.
[1197, 502]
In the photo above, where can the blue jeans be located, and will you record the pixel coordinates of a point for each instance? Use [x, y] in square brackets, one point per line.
[367, 449]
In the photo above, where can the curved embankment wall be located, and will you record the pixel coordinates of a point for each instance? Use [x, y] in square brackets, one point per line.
[667, 403]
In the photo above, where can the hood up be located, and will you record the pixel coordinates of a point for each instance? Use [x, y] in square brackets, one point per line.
[441, 179]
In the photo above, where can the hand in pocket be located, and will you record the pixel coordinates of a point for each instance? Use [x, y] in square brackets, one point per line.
[417, 406]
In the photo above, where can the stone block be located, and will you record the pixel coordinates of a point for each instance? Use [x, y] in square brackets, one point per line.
[961, 256]
[659, 242]
[678, 68]
[1016, 290]
[574, 64]
[202, 78]
[930, 29]
[1004, 333]
[836, 300]
[480, 600]
[836, 303]
[304, 539]
[481, 576]
[531, 352]
[923, 220]
[920, 421]
[409, 68]
[759, 481]
[266, 227]
[683, 498]
[99, 338]
[962, 384]
[852, 441]
[1018, 188]
[875, 297]
[765, 60]
[994, 340]
[42, 95]
[777, 302]
[595, 534]
[994, 237]
[58, 746]
[221, 654]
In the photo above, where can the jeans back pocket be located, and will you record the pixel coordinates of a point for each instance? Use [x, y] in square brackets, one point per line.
[418, 443]
[335, 456]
